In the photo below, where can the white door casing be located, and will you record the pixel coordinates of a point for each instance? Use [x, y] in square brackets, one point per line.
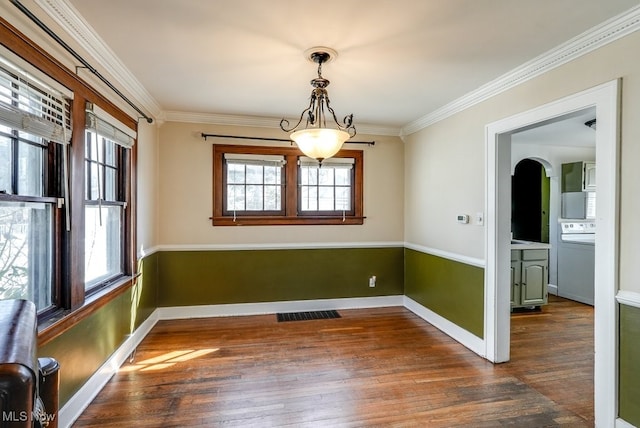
[605, 98]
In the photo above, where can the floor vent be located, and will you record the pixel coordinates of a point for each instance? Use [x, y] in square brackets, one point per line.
[304, 316]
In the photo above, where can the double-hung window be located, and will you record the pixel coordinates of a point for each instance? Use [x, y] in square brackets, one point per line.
[256, 185]
[35, 126]
[67, 199]
[107, 157]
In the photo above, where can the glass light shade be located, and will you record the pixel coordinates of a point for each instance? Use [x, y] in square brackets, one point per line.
[320, 143]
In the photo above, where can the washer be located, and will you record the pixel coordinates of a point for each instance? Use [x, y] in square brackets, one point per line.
[576, 261]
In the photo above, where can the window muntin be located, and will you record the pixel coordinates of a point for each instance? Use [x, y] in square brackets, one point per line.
[30, 178]
[6, 166]
[102, 169]
[254, 184]
[326, 188]
[331, 196]
[22, 163]
[104, 210]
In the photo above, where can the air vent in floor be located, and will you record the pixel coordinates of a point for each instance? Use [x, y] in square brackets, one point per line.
[304, 316]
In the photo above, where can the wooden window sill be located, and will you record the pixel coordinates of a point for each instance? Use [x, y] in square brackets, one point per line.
[64, 320]
[281, 221]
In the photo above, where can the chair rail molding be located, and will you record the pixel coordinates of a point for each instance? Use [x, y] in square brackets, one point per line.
[629, 298]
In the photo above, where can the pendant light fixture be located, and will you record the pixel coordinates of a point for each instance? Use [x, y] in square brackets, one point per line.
[316, 140]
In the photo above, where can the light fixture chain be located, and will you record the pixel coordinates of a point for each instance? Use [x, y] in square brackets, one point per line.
[316, 140]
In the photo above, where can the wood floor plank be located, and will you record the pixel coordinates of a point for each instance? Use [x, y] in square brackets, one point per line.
[375, 368]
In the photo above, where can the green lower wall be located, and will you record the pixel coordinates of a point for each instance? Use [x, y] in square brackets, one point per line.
[81, 350]
[451, 289]
[629, 379]
[250, 276]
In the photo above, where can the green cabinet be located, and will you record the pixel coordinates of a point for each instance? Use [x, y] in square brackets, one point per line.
[579, 177]
[515, 278]
[529, 277]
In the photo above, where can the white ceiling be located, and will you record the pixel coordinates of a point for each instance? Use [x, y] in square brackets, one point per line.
[398, 60]
[568, 130]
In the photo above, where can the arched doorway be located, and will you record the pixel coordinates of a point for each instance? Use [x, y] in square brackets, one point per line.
[530, 202]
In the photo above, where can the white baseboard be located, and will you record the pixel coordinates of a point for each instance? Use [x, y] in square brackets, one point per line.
[208, 311]
[552, 289]
[81, 399]
[621, 423]
[469, 340]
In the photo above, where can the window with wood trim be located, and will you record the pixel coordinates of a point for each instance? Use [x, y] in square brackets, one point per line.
[47, 199]
[107, 156]
[35, 127]
[256, 185]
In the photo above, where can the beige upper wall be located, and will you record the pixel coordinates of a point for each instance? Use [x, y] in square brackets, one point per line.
[444, 177]
[445, 163]
[186, 192]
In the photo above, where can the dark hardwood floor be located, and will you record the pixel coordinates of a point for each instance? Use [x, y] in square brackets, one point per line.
[552, 351]
[369, 368]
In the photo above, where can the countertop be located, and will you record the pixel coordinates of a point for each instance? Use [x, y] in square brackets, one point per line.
[518, 244]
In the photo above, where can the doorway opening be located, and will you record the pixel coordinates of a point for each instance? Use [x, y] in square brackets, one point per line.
[565, 324]
[605, 99]
[530, 191]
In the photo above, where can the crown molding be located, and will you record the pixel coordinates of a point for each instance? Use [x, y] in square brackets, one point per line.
[369, 129]
[67, 16]
[260, 122]
[220, 119]
[598, 36]
[609, 31]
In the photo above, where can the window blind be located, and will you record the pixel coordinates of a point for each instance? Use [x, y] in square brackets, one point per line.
[247, 159]
[28, 105]
[108, 127]
[345, 163]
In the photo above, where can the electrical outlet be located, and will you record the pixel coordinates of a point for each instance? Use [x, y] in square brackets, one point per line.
[372, 281]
